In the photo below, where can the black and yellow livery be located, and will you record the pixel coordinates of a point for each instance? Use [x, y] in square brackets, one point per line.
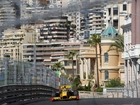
[65, 93]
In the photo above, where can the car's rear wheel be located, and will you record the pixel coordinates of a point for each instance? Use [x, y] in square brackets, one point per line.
[55, 94]
[76, 93]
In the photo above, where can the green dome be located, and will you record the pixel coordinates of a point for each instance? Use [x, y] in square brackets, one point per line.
[110, 32]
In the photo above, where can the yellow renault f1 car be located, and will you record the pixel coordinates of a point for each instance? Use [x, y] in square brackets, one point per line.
[65, 93]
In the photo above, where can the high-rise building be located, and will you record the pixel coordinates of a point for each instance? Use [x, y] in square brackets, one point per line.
[12, 41]
[56, 29]
[55, 38]
[48, 53]
[88, 21]
[9, 14]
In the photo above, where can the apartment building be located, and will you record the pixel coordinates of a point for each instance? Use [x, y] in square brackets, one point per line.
[30, 13]
[48, 53]
[56, 29]
[87, 21]
[113, 15]
[36, 26]
[34, 2]
[93, 21]
[51, 35]
[12, 41]
[72, 45]
[59, 3]
[131, 53]
[9, 14]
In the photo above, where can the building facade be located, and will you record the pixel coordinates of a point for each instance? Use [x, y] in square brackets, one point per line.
[129, 73]
[59, 3]
[55, 29]
[113, 14]
[108, 67]
[131, 54]
[48, 53]
[12, 41]
[88, 21]
[9, 14]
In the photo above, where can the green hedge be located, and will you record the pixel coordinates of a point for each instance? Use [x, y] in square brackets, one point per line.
[116, 82]
[99, 90]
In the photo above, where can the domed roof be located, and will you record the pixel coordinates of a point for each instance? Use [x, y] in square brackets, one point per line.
[110, 32]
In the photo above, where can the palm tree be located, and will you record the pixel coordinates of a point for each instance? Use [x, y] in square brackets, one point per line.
[118, 45]
[95, 41]
[71, 56]
[58, 66]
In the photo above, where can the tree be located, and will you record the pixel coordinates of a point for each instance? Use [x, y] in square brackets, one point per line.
[71, 56]
[76, 82]
[58, 66]
[118, 45]
[95, 41]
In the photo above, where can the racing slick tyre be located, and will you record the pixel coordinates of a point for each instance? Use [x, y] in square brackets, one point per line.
[76, 93]
[55, 94]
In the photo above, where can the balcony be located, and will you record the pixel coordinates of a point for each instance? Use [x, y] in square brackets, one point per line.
[59, 32]
[54, 48]
[43, 48]
[135, 51]
[85, 47]
[60, 52]
[125, 55]
[55, 57]
[87, 52]
[69, 67]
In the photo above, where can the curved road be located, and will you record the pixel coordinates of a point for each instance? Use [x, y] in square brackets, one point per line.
[93, 101]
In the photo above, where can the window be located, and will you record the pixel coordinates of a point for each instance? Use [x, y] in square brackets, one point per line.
[106, 75]
[124, 7]
[109, 11]
[105, 57]
[115, 24]
[139, 69]
[115, 11]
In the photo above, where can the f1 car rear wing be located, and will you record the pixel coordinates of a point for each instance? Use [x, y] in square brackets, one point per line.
[65, 87]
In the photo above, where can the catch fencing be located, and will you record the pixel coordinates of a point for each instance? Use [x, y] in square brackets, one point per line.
[14, 72]
[110, 93]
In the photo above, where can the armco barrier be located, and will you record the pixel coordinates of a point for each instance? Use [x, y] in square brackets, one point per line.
[23, 94]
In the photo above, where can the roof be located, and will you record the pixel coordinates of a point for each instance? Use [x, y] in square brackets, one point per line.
[110, 32]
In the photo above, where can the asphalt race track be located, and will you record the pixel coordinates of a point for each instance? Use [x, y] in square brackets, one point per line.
[93, 101]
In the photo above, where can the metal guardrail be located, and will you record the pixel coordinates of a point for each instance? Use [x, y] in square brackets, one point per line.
[23, 94]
